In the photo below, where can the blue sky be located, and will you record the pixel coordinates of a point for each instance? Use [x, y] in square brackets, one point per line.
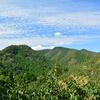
[45, 24]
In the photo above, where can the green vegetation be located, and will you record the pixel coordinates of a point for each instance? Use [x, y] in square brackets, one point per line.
[57, 74]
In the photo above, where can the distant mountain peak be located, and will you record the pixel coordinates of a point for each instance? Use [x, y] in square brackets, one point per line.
[84, 50]
[15, 49]
[60, 48]
[12, 47]
[19, 46]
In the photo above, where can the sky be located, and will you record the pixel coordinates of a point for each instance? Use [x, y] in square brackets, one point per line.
[45, 24]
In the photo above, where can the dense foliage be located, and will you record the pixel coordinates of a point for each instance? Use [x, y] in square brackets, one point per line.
[58, 74]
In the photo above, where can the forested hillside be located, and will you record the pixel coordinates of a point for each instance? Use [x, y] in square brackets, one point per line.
[57, 74]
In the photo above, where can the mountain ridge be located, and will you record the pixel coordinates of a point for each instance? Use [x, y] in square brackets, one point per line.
[60, 55]
[31, 71]
[24, 45]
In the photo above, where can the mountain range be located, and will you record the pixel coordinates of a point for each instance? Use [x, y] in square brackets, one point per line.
[50, 74]
[22, 58]
[57, 55]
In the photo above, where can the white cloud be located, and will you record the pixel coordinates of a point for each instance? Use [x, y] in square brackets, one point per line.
[13, 11]
[8, 29]
[74, 18]
[45, 16]
[58, 34]
[40, 47]
[50, 15]
[38, 42]
[29, 13]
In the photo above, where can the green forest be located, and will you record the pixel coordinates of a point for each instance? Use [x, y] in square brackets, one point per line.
[51, 74]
